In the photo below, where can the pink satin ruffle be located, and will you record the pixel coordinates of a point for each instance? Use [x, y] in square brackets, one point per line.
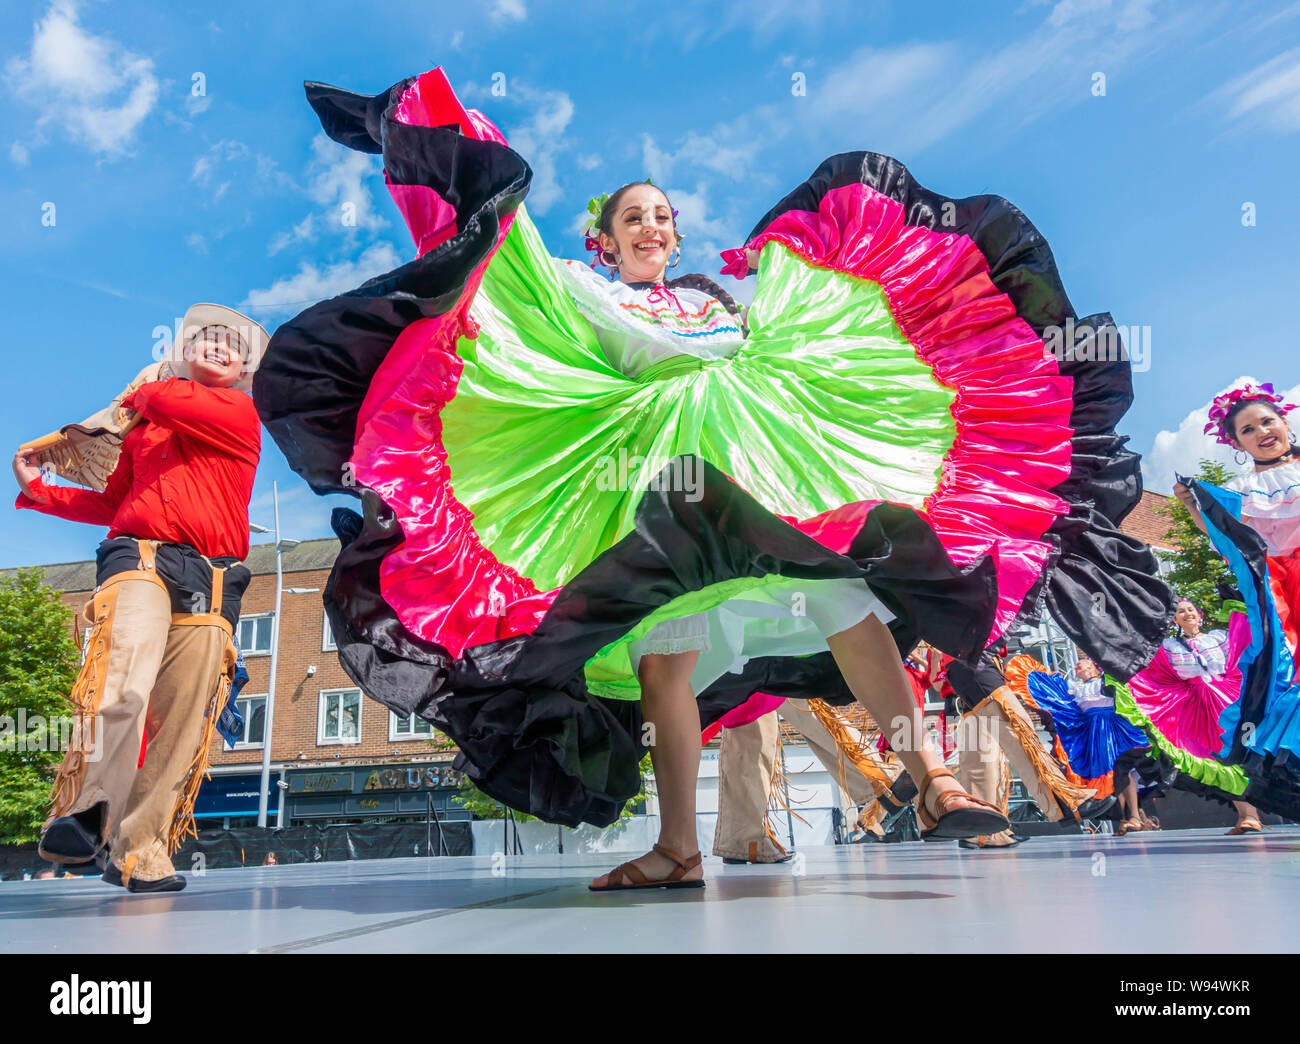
[1013, 405]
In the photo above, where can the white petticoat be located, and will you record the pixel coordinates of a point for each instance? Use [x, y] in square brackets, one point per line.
[787, 618]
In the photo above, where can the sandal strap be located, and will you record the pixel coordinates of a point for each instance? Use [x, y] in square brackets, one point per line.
[628, 873]
[683, 865]
[928, 821]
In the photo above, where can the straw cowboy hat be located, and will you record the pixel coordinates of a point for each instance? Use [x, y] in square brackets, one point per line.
[86, 452]
[251, 334]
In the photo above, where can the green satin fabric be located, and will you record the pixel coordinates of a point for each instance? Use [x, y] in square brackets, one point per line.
[826, 403]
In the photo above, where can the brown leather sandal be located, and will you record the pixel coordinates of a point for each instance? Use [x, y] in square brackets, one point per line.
[627, 877]
[957, 823]
[1246, 826]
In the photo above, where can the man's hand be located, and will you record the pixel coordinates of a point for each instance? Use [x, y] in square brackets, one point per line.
[26, 473]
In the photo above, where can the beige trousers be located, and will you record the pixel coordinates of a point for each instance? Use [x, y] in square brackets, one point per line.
[1005, 729]
[745, 766]
[144, 674]
[981, 770]
[853, 783]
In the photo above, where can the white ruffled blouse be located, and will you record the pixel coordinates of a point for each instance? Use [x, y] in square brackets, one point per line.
[1270, 505]
[641, 328]
[1205, 656]
[1089, 694]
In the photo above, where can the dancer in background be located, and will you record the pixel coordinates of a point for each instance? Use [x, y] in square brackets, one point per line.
[1091, 733]
[177, 467]
[1192, 680]
[572, 531]
[995, 731]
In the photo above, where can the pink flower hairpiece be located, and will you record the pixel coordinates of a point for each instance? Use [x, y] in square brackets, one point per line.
[1222, 404]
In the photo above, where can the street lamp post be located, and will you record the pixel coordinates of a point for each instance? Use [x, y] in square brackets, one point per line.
[282, 544]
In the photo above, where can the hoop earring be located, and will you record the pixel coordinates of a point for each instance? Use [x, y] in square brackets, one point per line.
[1240, 456]
[674, 264]
[604, 260]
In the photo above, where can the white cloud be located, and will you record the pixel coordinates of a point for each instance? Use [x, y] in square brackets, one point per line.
[541, 141]
[311, 284]
[1180, 452]
[1268, 94]
[91, 86]
[338, 179]
[706, 234]
[197, 242]
[18, 153]
[697, 150]
[508, 11]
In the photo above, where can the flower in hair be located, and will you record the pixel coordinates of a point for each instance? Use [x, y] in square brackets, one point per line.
[1223, 404]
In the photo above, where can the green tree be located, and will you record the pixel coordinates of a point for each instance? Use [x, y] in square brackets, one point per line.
[39, 661]
[484, 807]
[1198, 569]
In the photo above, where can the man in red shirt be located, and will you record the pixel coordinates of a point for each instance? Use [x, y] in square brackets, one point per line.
[169, 581]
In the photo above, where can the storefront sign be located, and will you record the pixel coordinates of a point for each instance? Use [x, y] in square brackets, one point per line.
[320, 783]
[420, 777]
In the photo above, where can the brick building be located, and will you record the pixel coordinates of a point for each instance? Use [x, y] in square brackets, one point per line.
[337, 755]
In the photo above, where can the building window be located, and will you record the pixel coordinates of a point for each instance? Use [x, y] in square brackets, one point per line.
[255, 635]
[340, 717]
[327, 643]
[253, 710]
[1164, 563]
[408, 728]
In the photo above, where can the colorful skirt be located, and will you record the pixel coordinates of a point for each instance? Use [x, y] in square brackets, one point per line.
[529, 514]
[1187, 710]
[1261, 729]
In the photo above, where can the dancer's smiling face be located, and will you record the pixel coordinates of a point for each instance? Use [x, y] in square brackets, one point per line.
[1259, 430]
[215, 356]
[641, 234]
[1188, 618]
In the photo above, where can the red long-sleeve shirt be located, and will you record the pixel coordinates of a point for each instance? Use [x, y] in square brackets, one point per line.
[185, 474]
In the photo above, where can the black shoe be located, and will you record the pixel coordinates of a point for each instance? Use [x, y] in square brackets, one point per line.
[67, 841]
[963, 843]
[113, 876]
[1095, 808]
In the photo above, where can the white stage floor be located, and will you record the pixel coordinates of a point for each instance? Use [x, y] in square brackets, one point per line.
[1165, 892]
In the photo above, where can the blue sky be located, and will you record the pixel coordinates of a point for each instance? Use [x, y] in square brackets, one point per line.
[165, 195]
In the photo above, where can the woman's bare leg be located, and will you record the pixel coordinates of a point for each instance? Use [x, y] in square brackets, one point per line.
[869, 660]
[1128, 806]
[1247, 812]
[669, 709]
